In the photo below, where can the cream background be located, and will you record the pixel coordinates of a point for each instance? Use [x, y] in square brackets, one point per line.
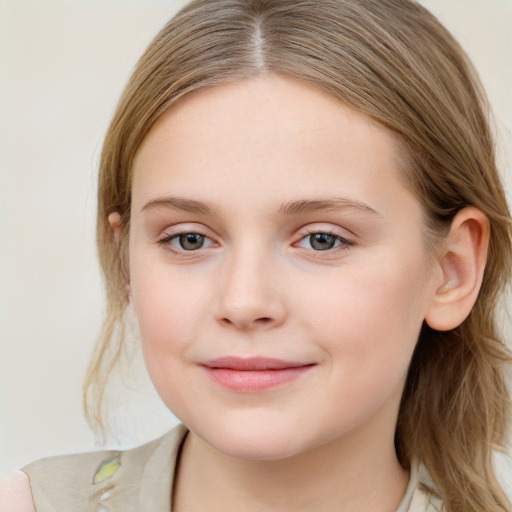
[62, 67]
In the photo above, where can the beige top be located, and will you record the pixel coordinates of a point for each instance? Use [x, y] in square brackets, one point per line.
[140, 480]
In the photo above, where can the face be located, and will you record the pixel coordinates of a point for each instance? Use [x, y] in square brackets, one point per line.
[278, 269]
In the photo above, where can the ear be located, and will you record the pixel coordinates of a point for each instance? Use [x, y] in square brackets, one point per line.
[462, 263]
[114, 219]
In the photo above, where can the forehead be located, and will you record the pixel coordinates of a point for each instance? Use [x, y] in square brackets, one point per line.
[265, 138]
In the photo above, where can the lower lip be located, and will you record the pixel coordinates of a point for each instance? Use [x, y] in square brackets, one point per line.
[257, 380]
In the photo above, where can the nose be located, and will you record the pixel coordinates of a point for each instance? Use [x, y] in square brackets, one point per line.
[250, 295]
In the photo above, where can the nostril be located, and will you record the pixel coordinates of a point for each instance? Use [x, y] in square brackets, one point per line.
[263, 320]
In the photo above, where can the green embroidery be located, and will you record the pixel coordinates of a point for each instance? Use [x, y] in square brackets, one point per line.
[106, 470]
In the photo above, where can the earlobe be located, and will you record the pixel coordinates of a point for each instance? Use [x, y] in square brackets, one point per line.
[462, 263]
[114, 219]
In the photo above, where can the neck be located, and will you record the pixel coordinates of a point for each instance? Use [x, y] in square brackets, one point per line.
[343, 475]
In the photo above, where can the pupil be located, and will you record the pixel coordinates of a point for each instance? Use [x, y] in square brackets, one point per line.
[191, 241]
[322, 241]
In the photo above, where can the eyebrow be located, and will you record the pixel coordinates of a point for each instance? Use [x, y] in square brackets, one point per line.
[179, 203]
[298, 207]
[322, 205]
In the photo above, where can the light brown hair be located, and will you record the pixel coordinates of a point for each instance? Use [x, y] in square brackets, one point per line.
[394, 62]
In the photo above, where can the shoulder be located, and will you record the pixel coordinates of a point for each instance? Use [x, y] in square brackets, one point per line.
[15, 493]
[96, 466]
[82, 481]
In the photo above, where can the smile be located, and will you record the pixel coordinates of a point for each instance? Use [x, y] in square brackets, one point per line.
[254, 374]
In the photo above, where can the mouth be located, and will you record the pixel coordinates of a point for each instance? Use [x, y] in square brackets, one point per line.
[254, 374]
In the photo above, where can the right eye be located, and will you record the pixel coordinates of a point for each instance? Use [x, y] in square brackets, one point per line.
[191, 241]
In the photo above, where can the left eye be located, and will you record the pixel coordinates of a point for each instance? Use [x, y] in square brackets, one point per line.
[187, 241]
[323, 241]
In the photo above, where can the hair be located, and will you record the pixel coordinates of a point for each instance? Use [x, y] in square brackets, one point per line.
[392, 61]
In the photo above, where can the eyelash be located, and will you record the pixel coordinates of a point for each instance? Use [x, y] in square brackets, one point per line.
[165, 242]
[344, 242]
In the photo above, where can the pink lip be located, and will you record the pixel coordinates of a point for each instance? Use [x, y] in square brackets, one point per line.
[255, 373]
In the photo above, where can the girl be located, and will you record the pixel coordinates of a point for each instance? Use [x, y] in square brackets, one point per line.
[299, 202]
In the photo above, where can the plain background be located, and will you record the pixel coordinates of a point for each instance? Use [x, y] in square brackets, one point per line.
[62, 67]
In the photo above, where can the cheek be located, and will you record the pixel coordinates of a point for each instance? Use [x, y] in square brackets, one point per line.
[166, 313]
[369, 318]
[166, 305]
[367, 330]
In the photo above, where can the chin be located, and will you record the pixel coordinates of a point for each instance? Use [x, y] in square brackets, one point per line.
[248, 448]
[256, 441]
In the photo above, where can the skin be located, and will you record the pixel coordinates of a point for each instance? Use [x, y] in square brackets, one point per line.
[15, 493]
[258, 287]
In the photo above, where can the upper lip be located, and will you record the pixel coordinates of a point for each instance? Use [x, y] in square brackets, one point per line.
[252, 363]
